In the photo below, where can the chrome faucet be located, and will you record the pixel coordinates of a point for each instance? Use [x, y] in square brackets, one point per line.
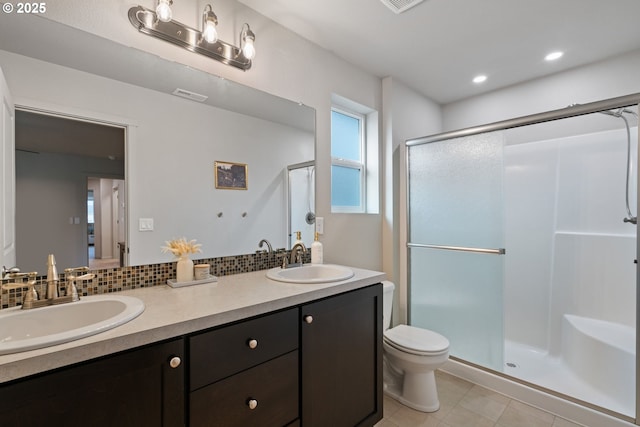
[295, 257]
[268, 245]
[51, 297]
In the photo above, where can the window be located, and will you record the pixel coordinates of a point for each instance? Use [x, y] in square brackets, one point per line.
[348, 161]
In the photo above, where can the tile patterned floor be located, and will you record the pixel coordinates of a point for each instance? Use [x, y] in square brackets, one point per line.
[464, 404]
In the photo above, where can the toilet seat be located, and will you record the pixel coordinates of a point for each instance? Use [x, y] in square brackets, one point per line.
[418, 341]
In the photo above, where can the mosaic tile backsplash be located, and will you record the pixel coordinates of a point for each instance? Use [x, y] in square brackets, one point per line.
[144, 276]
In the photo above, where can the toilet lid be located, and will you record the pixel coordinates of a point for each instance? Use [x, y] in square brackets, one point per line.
[416, 340]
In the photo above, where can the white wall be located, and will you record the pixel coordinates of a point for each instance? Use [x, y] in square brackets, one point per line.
[285, 65]
[406, 115]
[171, 158]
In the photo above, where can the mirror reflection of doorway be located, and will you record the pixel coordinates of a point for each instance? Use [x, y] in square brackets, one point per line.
[105, 222]
[55, 157]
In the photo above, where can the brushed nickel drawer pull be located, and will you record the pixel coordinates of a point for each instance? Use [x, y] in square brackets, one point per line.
[175, 362]
[253, 343]
[252, 403]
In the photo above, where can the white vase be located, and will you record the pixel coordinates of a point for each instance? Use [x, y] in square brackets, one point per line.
[184, 269]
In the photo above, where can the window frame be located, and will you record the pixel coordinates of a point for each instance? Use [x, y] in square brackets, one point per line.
[361, 165]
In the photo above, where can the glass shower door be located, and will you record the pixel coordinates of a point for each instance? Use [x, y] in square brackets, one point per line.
[456, 243]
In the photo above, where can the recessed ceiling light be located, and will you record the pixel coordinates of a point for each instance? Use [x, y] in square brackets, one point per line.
[553, 56]
[479, 79]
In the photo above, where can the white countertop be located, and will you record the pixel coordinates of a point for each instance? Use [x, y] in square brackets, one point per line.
[173, 312]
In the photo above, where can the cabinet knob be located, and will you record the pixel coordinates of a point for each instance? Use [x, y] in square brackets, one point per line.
[308, 318]
[253, 343]
[252, 403]
[175, 362]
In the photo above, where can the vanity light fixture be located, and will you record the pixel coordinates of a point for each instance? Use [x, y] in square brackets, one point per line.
[204, 42]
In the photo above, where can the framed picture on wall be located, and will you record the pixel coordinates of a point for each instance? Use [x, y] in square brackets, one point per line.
[230, 175]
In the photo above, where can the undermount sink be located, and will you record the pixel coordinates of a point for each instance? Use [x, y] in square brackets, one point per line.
[311, 273]
[22, 330]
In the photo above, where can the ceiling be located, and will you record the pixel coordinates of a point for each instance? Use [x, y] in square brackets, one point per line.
[42, 133]
[438, 46]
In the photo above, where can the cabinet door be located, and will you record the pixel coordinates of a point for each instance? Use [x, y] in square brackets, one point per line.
[341, 359]
[136, 388]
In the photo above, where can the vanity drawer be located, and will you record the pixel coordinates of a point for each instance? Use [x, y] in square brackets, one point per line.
[273, 386]
[217, 354]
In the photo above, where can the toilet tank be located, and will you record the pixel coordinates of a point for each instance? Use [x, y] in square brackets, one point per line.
[387, 303]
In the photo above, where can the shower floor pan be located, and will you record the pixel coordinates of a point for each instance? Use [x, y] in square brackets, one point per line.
[538, 367]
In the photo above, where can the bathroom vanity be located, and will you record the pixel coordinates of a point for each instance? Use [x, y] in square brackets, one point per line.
[243, 351]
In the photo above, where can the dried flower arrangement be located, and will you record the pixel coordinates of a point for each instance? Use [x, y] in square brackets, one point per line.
[181, 247]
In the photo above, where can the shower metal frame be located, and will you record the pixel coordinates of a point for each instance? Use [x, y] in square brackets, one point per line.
[573, 110]
[302, 165]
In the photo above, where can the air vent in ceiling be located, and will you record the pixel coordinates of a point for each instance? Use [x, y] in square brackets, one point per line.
[190, 95]
[399, 6]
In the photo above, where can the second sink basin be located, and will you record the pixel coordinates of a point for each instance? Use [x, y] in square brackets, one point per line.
[22, 330]
[311, 273]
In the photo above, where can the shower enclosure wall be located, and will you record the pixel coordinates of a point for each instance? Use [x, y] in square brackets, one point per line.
[301, 183]
[520, 254]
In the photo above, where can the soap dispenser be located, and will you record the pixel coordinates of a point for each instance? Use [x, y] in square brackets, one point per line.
[316, 251]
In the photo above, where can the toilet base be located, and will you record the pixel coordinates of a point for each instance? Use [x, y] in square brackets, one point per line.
[417, 391]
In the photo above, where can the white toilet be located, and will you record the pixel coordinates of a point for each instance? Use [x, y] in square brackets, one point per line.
[411, 355]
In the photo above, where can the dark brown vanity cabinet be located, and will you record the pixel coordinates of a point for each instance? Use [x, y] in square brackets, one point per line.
[341, 359]
[319, 364]
[142, 387]
[246, 374]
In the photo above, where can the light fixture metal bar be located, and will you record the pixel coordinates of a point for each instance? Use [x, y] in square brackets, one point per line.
[191, 39]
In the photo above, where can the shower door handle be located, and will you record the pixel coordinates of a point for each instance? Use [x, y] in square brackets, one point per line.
[498, 251]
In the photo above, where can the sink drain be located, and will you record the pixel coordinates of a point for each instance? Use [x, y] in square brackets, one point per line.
[511, 365]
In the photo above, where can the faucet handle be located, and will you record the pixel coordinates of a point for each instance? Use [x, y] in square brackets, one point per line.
[17, 275]
[72, 291]
[7, 271]
[31, 295]
[76, 270]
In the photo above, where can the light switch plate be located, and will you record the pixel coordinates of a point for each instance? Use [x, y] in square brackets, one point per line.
[145, 224]
[320, 225]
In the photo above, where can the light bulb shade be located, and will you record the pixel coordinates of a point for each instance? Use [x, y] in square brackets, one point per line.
[249, 50]
[247, 40]
[163, 11]
[209, 32]
[209, 22]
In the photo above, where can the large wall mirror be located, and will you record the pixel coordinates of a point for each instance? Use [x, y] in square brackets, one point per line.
[72, 88]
